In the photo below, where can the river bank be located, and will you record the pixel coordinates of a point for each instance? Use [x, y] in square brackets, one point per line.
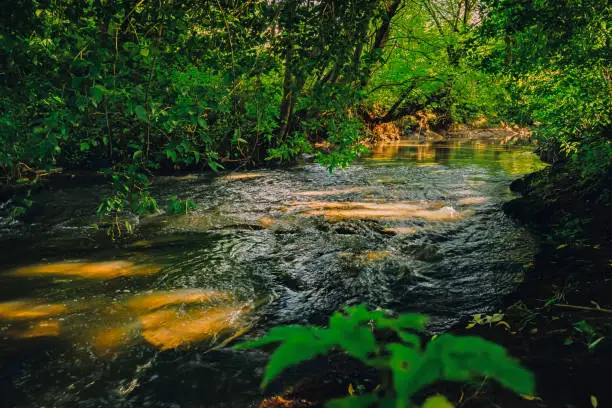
[560, 318]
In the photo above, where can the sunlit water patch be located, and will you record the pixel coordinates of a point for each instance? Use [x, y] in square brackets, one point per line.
[151, 321]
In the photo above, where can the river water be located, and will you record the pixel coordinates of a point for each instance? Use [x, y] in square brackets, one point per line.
[150, 321]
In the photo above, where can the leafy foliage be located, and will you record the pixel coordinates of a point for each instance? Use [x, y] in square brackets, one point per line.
[411, 363]
[136, 87]
[554, 58]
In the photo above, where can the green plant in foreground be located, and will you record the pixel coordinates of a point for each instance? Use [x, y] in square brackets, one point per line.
[411, 364]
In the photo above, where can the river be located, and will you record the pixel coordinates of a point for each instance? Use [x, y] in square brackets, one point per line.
[150, 321]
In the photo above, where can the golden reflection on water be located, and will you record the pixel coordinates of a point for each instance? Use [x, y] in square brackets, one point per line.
[29, 310]
[519, 164]
[242, 176]
[108, 339]
[389, 151]
[429, 210]
[89, 270]
[165, 319]
[168, 329]
[401, 230]
[156, 300]
[325, 193]
[48, 328]
[513, 161]
[429, 164]
[367, 256]
[473, 200]
[169, 319]
[266, 222]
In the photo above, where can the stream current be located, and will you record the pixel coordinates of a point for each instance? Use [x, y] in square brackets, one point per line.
[150, 322]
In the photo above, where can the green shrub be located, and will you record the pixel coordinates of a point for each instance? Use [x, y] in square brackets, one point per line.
[412, 362]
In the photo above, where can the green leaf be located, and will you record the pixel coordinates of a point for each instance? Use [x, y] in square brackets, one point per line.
[405, 364]
[595, 343]
[410, 338]
[276, 335]
[359, 401]
[468, 357]
[76, 81]
[437, 401]
[97, 94]
[141, 113]
[214, 166]
[359, 343]
[446, 357]
[298, 344]
[412, 321]
[356, 340]
[171, 154]
[287, 355]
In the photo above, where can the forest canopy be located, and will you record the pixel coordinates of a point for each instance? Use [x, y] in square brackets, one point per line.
[136, 86]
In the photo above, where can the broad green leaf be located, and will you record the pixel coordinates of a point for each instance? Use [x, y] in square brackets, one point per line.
[412, 321]
[472, 357]
[350, 334]
[171, 154]
[361, 314]
[215, 166]
[437, 401]
[410, 338]
[278, 334]
[141, 112]
[359, 343]
[291, 353]
[405, 363]
[97, 94]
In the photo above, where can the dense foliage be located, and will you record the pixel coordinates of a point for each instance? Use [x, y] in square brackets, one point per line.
[555, 57]
[136, 87]
[178, 84]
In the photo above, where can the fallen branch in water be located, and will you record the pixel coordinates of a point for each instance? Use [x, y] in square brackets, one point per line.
[585, 308]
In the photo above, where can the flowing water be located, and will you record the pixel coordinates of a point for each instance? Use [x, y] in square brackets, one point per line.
[150, 321]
